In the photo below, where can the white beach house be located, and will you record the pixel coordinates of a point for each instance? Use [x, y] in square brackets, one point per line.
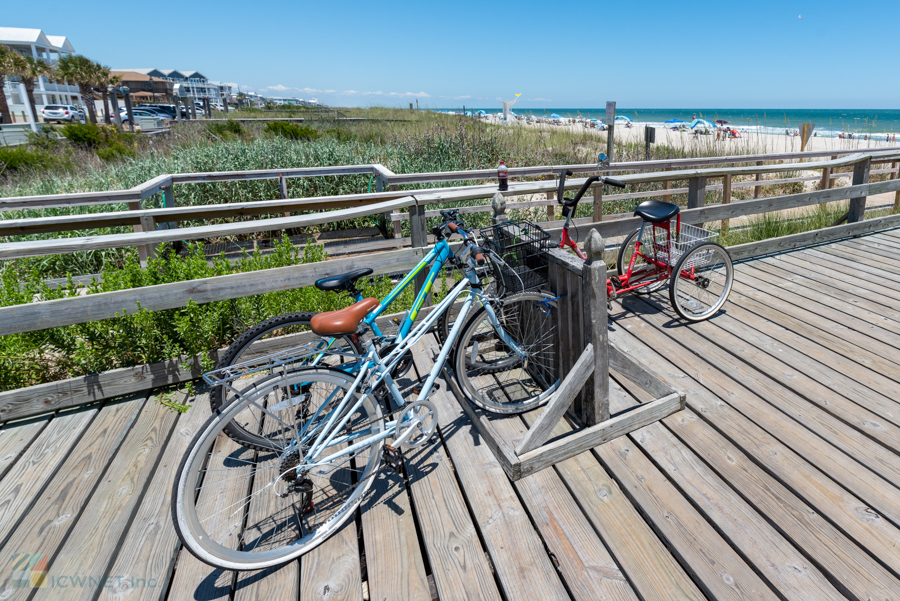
[35, 43]
[190, 84]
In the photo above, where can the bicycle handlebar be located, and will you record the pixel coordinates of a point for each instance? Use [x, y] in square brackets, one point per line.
[562, 185]
[572, 202]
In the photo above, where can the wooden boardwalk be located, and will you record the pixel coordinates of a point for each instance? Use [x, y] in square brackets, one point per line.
[779, 480]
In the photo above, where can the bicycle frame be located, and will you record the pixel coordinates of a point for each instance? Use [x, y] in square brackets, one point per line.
[373, 363]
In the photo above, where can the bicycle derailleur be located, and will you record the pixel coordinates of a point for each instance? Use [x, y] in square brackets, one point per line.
[296, 483]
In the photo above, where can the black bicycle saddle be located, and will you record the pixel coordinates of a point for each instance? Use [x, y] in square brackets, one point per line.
[345, 281]
[656, 211]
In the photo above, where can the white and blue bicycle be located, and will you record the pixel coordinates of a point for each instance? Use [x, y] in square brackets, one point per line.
[324, 432]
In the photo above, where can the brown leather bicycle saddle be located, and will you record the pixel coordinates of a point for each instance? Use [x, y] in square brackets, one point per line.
[342, 321]
[656, 211]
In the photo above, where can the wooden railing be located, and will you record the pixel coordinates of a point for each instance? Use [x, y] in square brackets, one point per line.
[92, 307]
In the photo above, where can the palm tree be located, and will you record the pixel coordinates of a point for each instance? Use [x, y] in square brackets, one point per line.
[29, 71]
[104, 80]
[7, 70]
[85, 74]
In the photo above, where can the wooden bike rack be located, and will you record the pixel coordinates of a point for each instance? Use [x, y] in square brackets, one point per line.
[586, 357]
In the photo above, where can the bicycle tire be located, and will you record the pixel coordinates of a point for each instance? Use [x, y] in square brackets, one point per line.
[700, 297]
[249, 538]
[237, 352]
[500, 380]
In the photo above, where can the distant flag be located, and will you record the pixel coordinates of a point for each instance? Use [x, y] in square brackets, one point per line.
[517, 95]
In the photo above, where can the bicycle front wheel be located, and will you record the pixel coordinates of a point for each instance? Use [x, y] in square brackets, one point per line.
[506, 358]
[238, 508]
[701, 281]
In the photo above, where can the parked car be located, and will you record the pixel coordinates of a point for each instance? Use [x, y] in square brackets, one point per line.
[62, 112]
[168, 109]
[138, 113]
[155, 110]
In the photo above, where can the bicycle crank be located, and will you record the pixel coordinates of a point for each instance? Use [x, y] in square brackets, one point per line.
[415, 425]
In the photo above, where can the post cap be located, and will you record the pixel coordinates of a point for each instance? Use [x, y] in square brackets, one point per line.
[593, 246]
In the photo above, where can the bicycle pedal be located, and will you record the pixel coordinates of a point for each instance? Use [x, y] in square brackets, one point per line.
[393, 460]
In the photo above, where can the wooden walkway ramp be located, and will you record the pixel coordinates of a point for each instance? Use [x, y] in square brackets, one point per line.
[779, 480]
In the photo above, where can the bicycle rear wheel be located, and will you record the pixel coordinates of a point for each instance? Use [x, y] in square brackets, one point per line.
[701, 281]
[237, 508]
[271, 335]
[510, 379]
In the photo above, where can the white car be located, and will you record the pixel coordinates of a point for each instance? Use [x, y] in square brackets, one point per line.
[62, 112]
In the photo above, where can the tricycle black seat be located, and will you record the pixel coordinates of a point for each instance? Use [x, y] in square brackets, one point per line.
[656, 211]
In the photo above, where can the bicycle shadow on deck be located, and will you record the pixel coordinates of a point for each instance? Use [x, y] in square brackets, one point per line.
[649, 304]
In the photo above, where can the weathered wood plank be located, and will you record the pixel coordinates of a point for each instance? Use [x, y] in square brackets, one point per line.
[719, 570]
[785, 568]
[93, 307]
[38, 464]
[89, 548]
[588, 569]
[150, 545]
[853, 571]
[789, 453]
[14, 250]
[50, 518]
[16, 437]
[516, 551]
[562, 448]
[644, 559]
[558, 403]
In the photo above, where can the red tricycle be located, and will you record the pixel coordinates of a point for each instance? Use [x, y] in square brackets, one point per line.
[699, 271]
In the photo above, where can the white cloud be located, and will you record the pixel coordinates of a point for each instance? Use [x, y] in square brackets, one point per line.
[460, 97]
[278, 88]
[380, 93]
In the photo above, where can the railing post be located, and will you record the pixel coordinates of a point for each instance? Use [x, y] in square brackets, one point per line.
[757, 189]
[668, 184]
[498, 203]
[169, 202]
[419, 235]
[696, 192]
[726, 199]
[595, 406]
[896, 175]
[396, 231]
[826, 178]
[283, 191]
[858, 204]
[146, 251]
[551, 209]
[598, 203]
[831, 176]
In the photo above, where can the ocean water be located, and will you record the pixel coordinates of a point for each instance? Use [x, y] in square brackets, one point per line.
[828, 122]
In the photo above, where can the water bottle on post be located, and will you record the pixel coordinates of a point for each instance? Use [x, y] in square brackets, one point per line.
[503, 176]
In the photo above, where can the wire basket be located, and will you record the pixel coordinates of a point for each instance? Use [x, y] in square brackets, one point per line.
[522, 249]
[656, 240]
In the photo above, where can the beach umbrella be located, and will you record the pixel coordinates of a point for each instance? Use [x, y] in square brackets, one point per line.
[721, 122]
[701, 122]
[623, 118]
[674, 121]
[555, 116]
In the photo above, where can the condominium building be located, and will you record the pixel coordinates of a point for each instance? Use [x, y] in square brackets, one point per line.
[35, 43]
[189, 84]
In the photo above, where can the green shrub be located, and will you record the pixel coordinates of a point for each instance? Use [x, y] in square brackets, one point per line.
[291, 131]
[225, 129]
[341, 135]
[16, 158]
[86, 135]
[114, 151]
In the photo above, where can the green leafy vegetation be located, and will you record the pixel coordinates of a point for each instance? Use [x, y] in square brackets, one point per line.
[291, 131]
[226, 129]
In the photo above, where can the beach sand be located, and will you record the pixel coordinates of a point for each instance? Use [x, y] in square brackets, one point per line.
[750, 143]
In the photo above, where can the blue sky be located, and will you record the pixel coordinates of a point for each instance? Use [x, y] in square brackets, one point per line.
[649, 54]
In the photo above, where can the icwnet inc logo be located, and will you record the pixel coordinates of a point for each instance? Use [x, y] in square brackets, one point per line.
[29, 570]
